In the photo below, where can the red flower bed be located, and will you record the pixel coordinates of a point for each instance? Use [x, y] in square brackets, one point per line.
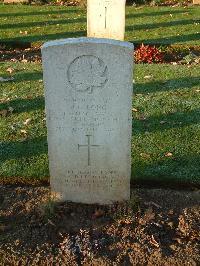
[148, 54]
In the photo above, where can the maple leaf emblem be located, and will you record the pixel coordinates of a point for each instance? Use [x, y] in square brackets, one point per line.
[87, 72]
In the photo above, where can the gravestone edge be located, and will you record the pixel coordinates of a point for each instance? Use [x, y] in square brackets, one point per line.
[85, 40]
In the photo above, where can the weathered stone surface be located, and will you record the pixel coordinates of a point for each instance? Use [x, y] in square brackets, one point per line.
[106, 19]
[88, 93]
[196, 2]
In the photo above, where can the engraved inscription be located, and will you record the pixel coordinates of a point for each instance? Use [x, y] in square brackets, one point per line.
[107, 3]
[105, 17]
[86, 73]
[89, 145]
[92, 179]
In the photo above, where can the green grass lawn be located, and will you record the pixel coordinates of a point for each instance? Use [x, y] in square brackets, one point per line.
[166, 127]
[166, 103]
[38, 24]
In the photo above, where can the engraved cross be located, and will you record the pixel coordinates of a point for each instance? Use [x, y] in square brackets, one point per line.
[107, 2]
[105, 17]
[88, 145]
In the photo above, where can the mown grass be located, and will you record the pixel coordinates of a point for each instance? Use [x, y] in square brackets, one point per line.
[166, 128]
[23, 154]
[37, 24]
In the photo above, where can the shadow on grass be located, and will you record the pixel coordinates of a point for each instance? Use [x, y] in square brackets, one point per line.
[67, 10]
[24, 105]
[152, 14]
[164, 122]
[42, 23]
[160, 25]
[171, 39]
[167, 85]
[27, 148]
[46, 37]
[29, 76]
[39, 13]
[176, 172]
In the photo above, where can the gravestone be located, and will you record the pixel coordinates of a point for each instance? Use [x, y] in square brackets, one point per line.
[88, 95]
[106, 19]
[196, 2]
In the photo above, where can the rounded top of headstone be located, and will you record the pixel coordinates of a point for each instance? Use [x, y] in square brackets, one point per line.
[85, 40]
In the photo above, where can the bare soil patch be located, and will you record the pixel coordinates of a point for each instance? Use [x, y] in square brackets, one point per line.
[31, 54]
[171, 54]
[157, 227]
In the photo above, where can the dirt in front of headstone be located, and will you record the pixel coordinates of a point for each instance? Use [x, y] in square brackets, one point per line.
[156, 227]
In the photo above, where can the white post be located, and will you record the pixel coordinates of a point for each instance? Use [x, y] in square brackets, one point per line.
[196, 2]
[106, 19]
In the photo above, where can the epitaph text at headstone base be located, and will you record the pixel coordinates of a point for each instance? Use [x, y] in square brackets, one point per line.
[106, 19]
[88, 94]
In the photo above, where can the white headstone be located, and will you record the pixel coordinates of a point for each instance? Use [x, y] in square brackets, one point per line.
[196, 2]
[106, 19]
[88, 94]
